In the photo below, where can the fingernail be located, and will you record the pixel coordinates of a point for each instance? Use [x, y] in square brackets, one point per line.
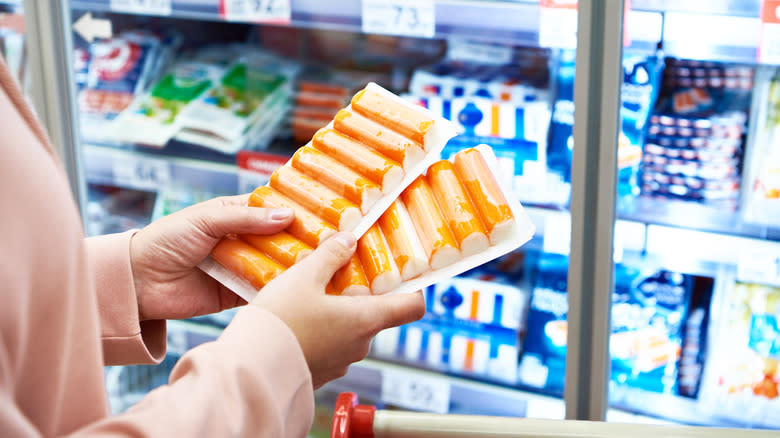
[280, 214]
[345, 239]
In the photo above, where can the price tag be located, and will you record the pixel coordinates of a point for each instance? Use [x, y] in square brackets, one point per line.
[482, 53]
[769, 44]
[146, 7]
[141, 173]
[415, 18]
[759, 266]
[558, 23]
[256, 11]
[416, 392]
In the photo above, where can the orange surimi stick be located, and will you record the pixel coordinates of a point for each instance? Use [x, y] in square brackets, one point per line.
[377, 261]
[306, 226]
[282, 247]
[385, 141]
[316, 198]
[456, 208]
[339, 178]
[351, 279]
[436, 237]
[485, 194]
[395, 115]
[383, 171]
[246, 261]
[404, 243]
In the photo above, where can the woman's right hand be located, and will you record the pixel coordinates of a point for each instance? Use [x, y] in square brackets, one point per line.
[333, 331]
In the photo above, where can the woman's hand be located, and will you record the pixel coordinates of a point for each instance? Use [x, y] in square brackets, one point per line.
[333, 331]
[164, 256]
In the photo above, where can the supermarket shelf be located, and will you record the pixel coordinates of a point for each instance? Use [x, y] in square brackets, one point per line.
[518, 23]
[693, 216]
[466, 397]
[147, 169]
[671, 408]
[735, 8]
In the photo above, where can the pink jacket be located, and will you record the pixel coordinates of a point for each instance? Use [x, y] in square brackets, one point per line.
[69, 308]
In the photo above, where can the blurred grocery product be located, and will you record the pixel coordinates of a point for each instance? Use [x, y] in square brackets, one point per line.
[695, 139]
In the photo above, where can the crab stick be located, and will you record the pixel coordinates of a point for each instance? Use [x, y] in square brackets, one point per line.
[395, 115]
[485, 194]
[246, 261]
[282, 247]
[316, 198]
[379, 169]
[321, 100]
[404, 243]
[339, 178]
[323, 87]
[456, 208]
[377, 261]
[306, 226]
[350, 279]
[436, 237]
[385, 141]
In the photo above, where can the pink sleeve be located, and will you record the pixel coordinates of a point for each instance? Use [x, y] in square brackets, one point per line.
[125, 339]
[251, 382]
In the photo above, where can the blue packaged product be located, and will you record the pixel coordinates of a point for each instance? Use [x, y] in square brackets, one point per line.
[561, 142]
[646, 331]
[471, 328]
[641, 80]
[648, 315]
[543, 361]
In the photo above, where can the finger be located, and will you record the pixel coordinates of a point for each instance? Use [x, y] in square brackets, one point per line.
[396, 309]
[230, 200]
[237, 219]
[327, 258]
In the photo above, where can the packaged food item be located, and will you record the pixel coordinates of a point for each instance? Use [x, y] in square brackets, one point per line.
[641, 82]
[453, 218]
[471, 329]
[251, 89]
[119, 69]
[332, 190]
[762, 171]
[651, 325]
[154, 118]
[742, 377]
[697, 131]
[320, 94]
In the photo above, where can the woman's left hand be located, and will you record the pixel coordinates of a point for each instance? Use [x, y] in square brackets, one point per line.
[165, 254]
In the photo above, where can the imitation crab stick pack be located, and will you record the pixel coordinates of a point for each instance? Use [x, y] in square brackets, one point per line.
[343, 179]
[455, 216]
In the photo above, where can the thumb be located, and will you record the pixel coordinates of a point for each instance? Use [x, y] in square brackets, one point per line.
[396, 309]
[331, 255]
[240, 219]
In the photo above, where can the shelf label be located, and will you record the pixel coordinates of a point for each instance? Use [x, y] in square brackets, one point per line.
[413, 391]
[769, 44]
[755, 265]
[415, 18]
[470, 51]
[141, 173]
[256, 11]
[146, 7]
[558, 23]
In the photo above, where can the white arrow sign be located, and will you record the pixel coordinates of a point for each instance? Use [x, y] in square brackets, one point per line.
[90, 28]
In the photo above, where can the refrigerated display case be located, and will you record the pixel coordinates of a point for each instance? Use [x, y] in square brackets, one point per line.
[158, 105]
[693, 305]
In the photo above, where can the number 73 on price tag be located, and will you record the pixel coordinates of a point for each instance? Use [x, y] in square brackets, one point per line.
[416, 18]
